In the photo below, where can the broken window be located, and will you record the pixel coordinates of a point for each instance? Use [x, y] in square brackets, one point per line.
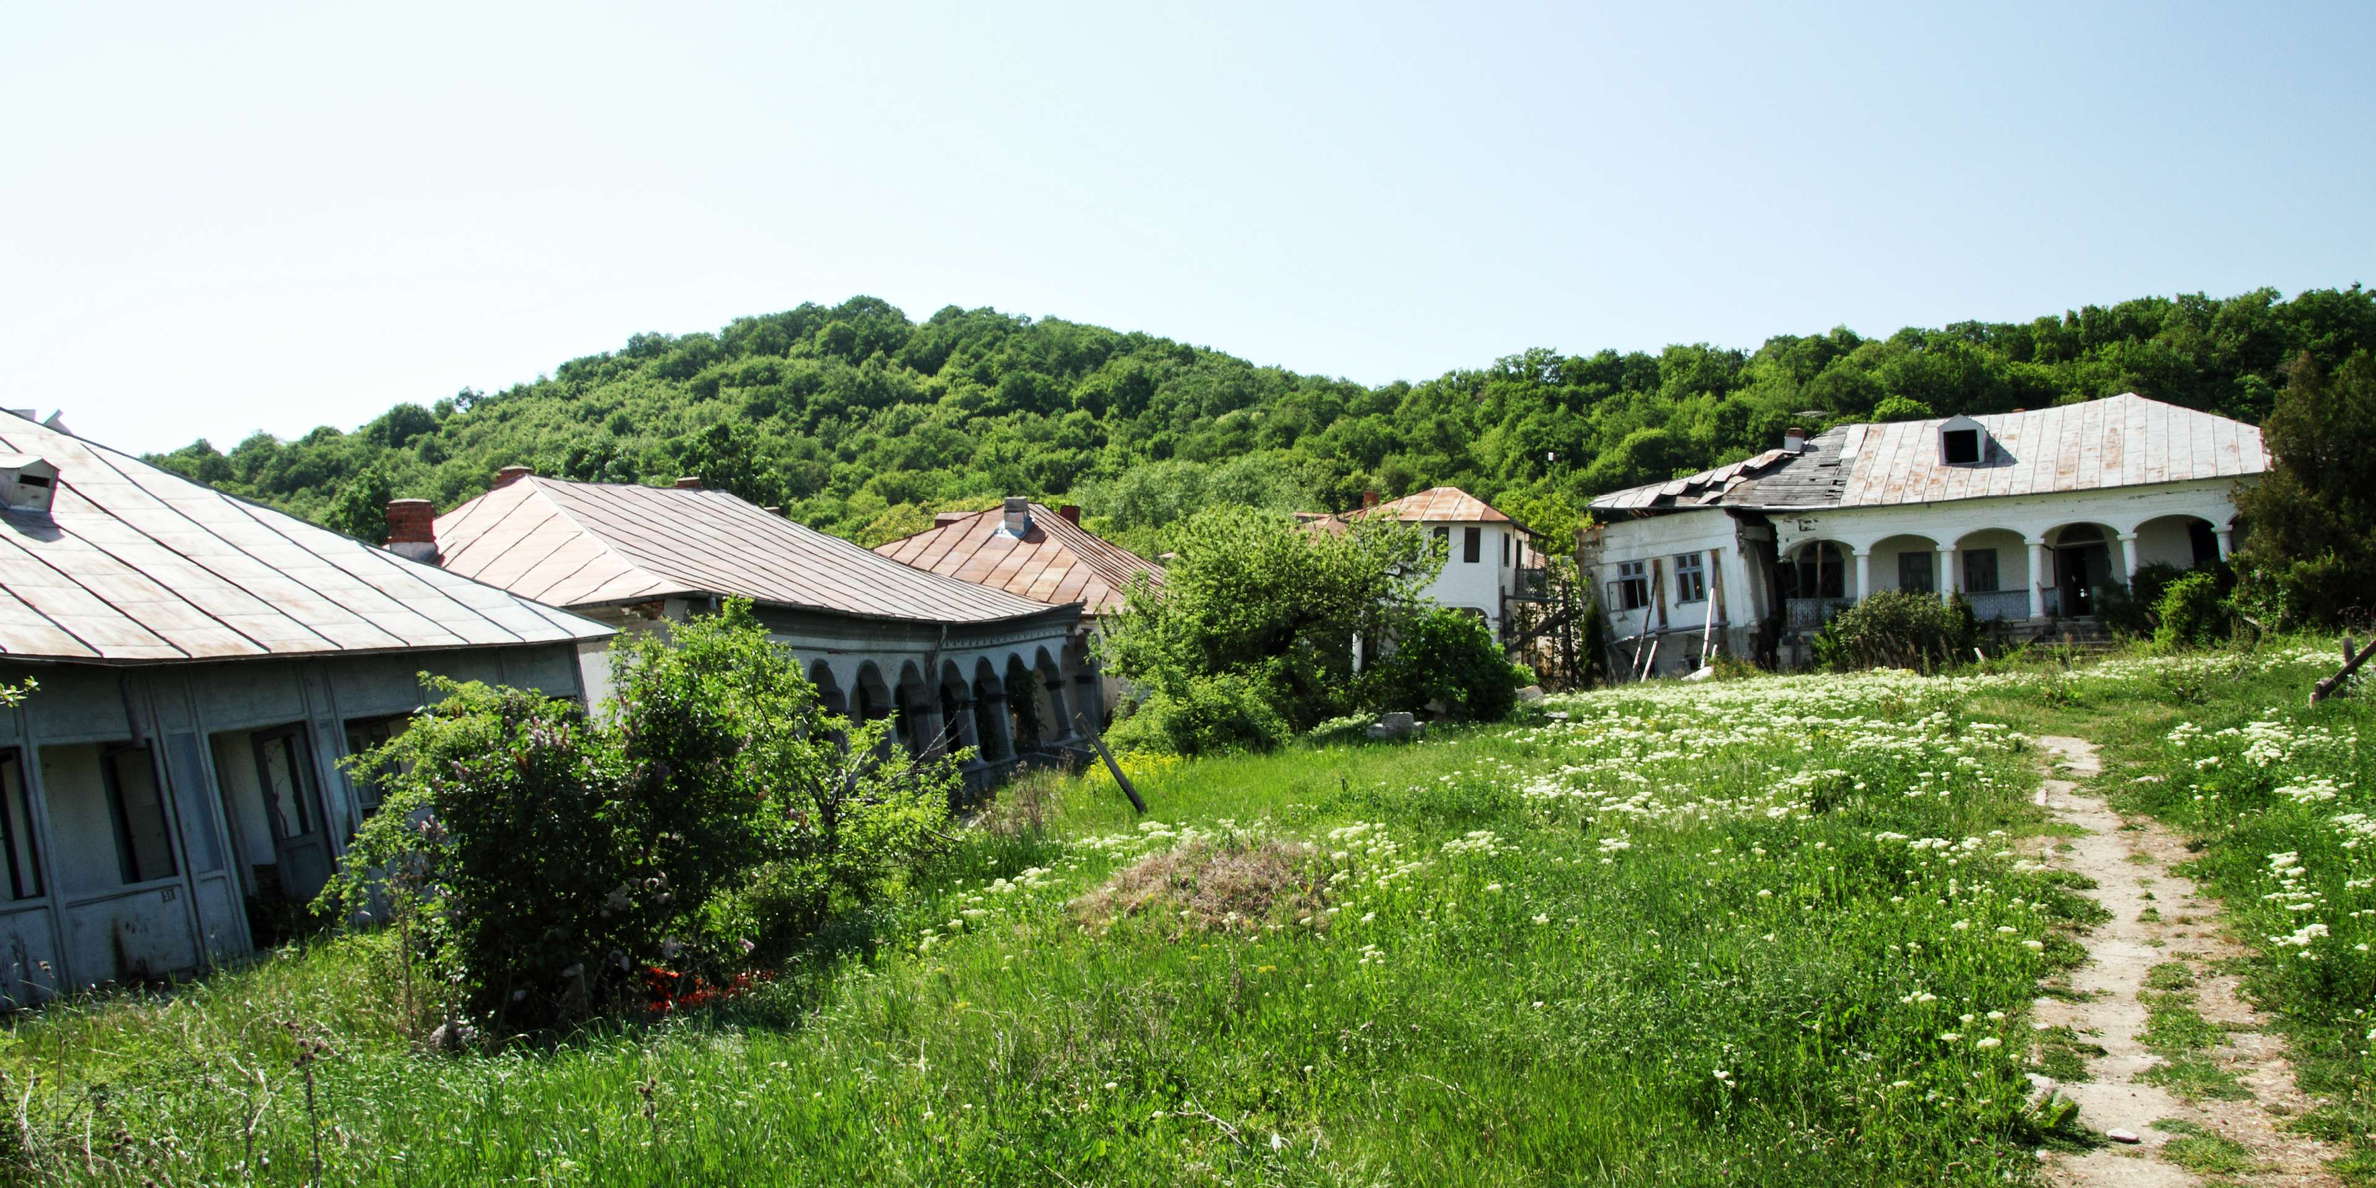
[144, 828]
[1631, 590]
[1471, 540]
[365, 734]
[23, 879]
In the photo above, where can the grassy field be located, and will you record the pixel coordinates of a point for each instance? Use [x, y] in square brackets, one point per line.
[1767, 931]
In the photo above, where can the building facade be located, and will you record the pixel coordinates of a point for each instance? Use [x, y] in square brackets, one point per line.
[2028, 515]
[171, 794]
[1490, 561]
[956, 664]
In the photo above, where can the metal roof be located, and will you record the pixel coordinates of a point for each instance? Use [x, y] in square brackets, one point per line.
[1435, 505]
[1055, 561]
[133, 564]
[603, 544]
[2120, 441]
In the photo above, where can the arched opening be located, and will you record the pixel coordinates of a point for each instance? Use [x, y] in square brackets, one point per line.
[957, 711]
[871, 701]
[829, 690]
[2179, 541]
[1992, 572]
[1909, 562]
[1816, 579]
[2083, 563]
[1026, 720]
[1053, 697]
[990, 714]
[919, 711]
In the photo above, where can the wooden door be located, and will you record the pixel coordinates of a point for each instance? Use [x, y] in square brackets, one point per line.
[293, 804]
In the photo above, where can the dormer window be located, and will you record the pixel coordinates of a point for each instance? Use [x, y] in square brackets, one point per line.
[27, 483]
[1963, 442]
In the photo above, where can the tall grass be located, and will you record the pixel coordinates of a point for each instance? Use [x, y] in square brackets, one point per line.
[1770, 931]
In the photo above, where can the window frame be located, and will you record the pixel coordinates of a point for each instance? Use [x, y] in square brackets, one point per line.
[1472, 544]
[1632, 586]
[1691, 577]
[119, 810]
[1996, 578]
[20, 839]
[1928, 582]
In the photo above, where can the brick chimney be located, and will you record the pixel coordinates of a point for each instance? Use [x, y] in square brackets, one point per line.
[509, 475]
[1018, 515]
[1369, 499]
[1794, 440]
[412, 529]
[1071, 514]
[690, 482]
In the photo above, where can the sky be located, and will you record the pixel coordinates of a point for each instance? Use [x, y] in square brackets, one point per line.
[224, 218]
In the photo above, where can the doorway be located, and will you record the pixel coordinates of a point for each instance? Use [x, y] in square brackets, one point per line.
[2082, 562]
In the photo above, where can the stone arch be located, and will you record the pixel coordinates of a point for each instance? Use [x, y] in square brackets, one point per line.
[919, 710]
[1027, 717]
[829, 690]
[870, 694]
[1055, 695]
[991, 725]
[957, 709]
[1908, 561]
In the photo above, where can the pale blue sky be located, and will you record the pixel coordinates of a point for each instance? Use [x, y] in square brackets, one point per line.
[227, 217]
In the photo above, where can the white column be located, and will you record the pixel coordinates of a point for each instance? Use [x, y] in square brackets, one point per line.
[2037, 577]
[2128, 558]
[1864, 570]
[2227, 540]
[1947, 574]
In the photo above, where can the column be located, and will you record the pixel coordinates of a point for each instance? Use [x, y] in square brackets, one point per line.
[924, 726]
[992, 707]
[1062, 729]
[1864, 570]
[1949, 580]
[2128, 558]
[2227, 540]
[2037, 576]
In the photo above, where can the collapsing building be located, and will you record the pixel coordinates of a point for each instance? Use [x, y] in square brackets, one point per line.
[2027, 515]
[954, 663]
[172, 786]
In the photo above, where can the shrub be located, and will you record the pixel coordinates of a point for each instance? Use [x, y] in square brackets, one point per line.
[1448, 658]
[1203, 715]
[2191, 612]
[1898, 629]
[713, 815]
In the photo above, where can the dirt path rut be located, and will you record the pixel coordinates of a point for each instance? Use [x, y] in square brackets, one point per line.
[2175, 1057]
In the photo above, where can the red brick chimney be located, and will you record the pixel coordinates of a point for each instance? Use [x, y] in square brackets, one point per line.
[691, 482]
[1071, 514]
[1369, 499]
[509, 475]
[412, 529]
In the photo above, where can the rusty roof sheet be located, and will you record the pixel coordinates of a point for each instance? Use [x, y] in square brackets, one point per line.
[1436, 505]
[602, 544]
[1055, 561]
[2120, 441]
[133, 564]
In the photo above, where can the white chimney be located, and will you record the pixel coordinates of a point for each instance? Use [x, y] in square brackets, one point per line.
[1794, 440]
[1018, 515]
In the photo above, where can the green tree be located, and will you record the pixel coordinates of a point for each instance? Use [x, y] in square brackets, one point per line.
[2310, 551]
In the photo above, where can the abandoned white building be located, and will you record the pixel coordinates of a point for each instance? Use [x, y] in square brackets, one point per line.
[1027, 549]
[956, 664]
[202, 664]
[1490, 560]
[2028, 515]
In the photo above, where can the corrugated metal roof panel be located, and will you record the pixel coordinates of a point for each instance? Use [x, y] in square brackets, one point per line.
[1056, 561]
[585, 544]
[135, 564]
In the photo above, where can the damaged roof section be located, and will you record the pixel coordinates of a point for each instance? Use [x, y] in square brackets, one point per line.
[2120, 441]
[1053, 559]
[129, 563]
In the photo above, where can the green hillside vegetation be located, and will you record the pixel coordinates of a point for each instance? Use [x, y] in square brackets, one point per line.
[862, 422]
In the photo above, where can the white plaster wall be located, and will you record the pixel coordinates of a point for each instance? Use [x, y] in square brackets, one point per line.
[1662, 539]
[2165, 542]
[1479, 584]
[2120, 509]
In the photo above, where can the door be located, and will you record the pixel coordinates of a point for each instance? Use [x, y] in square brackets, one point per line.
[293, 807]
[2080, 572]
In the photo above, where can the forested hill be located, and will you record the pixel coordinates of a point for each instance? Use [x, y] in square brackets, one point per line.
[862, 422]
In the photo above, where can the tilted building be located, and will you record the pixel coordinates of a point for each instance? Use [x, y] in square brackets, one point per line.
[171, 790]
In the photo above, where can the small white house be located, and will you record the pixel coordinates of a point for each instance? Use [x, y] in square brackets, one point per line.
[171, 789]
[956, 664]
[2028, 515]
[1489, 559]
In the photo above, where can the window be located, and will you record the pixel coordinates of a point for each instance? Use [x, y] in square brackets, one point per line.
[281, 772]
[1962, 446]
[1914, 572]
[1505, 550]
[1631, 590]
[1470, 539]
[23, 876]
[1444, 538]
[1980, 571]
[364, 734]
[144, 841]
[1691, 577]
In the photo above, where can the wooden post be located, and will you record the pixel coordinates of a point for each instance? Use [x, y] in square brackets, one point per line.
[1116, 768]
[2328, 687]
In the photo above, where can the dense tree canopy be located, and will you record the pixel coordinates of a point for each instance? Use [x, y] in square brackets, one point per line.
[862, 422]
